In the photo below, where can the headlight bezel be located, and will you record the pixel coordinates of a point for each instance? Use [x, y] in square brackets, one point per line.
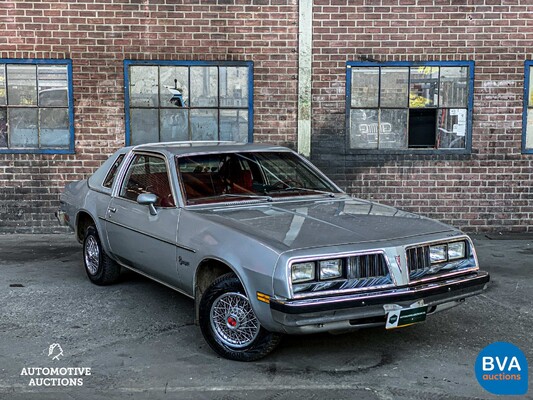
[339, 267]
[460, 255]
[312, 277]
[442, 251]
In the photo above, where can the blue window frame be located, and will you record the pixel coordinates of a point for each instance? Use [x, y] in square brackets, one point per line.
[527, 122]
[188, 100]
[414, 107]
[36, 106]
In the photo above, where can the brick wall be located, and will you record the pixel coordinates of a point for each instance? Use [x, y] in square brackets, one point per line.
[487, 190]
[98, 36]
[491, 189]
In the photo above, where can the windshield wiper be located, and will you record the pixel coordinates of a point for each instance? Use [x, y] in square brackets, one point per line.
[250, 195]
[246, 195]
[301, 189]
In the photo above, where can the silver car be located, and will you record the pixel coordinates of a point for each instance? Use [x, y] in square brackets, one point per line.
[264, 243]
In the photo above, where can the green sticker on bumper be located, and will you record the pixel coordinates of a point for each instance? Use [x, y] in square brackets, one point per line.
[405, 317]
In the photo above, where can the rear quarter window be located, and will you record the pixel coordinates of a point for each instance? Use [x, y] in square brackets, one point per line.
[110, 177]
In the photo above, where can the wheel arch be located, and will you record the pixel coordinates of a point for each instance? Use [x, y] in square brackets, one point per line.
[83, 221]
[208, 270]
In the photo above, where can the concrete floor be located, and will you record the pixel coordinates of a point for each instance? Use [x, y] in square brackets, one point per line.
[140, 342]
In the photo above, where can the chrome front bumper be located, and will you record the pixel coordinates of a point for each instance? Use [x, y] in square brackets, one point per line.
[340, 313]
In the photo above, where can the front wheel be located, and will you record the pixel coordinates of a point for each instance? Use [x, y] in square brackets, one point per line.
[229, 324]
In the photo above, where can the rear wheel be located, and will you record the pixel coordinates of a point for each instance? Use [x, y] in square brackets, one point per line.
[229, 324]
[100, 268]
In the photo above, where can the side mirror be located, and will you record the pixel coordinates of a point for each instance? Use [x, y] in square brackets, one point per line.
[148, 199]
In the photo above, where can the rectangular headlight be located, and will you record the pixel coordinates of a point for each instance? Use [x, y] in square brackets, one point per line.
[330, 269]
[456, 250]
[303, 272]
[437, 253]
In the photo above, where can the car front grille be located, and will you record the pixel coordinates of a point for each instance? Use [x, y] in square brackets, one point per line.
[367, 266]
[419, 263]
[418, 259]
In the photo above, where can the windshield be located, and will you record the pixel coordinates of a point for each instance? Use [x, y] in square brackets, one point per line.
[211, 178]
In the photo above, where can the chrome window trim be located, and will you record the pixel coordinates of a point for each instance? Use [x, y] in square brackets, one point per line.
[316, 258]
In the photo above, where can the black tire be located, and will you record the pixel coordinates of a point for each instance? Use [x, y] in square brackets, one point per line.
[100, 269]
[258, 343]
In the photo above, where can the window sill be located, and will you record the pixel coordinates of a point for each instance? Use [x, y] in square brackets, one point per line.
[409, 151]
[37, 151]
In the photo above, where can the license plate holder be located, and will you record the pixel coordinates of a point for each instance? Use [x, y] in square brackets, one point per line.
[403, 317]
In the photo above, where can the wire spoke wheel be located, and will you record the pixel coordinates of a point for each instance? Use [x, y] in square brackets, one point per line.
[92, 255]
[233, 320]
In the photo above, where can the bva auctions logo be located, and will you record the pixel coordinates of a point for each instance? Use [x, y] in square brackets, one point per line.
[501, 368]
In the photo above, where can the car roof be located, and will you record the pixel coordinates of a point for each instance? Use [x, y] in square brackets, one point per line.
[195, 147]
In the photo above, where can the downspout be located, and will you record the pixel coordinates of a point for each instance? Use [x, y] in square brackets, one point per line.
[305, 41]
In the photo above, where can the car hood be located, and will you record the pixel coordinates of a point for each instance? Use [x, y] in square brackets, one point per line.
[288, 225]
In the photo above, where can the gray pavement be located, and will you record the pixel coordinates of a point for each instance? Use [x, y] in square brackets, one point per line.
[139, 339]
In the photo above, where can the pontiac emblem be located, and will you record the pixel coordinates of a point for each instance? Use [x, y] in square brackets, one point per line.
[399, 262]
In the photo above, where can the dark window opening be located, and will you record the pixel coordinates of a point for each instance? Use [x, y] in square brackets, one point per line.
[422, 127]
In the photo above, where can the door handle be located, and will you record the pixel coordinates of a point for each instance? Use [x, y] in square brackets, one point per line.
[112, 209]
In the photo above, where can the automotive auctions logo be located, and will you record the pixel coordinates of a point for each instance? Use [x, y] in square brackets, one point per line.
[55, 376]
[501, 368]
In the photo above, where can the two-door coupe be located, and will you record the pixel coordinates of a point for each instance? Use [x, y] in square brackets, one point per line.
[264, 243]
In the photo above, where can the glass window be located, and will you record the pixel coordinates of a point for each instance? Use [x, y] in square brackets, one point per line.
[148, 174]
[211, 178]
[404, 105]
[527, 129]
[180, 101]
[35, 110]
[110, 178]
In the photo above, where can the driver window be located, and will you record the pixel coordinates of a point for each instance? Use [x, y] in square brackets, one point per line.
[148, 174]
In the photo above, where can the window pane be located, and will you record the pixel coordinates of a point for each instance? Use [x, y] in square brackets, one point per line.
[174, 86]
[365, 85]
[204, 87]
[529, 130]
[233, 87]
[364, 129]
[204, 124]
[453, 86]
[148, 175]
[54, 126]
[144, 125]
[234, 125]
[110, 178]
[422, 127]
[174, 124]
[143, 86]
[393, 129]
[452, 129]
[424, 87]
[22, 85]
[394, 85]
[2, 85]
[3, 127]
[53, 85]
[23, 127]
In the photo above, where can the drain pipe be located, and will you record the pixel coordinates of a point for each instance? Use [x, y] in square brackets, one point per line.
[305, 42]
